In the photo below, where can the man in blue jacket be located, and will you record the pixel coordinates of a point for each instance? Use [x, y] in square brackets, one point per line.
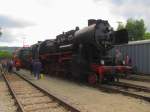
[37, 67]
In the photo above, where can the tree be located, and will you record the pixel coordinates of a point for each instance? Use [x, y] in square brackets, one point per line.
[5, 54]
[136, 29]
[147, 35]
[0, 31]
[120, 26]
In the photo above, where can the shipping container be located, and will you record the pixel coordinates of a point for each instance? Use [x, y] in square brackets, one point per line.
[139, 52]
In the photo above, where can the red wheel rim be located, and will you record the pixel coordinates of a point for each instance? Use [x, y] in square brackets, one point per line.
[92, 79]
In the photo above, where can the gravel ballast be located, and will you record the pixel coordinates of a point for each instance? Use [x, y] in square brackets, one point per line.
[7, 104]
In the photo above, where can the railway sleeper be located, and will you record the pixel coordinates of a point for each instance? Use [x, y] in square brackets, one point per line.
[34, 100]
[40, 106]
[31, 95]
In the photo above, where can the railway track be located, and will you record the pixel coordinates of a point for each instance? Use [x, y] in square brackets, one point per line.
[136, 78]
[31, 98]
[7, 103]
[127, 89]
[134, 86]
[135, 91]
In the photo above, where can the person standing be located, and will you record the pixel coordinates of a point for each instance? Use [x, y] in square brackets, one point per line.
[127, 60]
[37, 67]
[118, 57]
[5, 65]
[31, 66]
[9, 65]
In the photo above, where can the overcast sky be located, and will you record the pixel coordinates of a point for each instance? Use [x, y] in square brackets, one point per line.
[33, 20]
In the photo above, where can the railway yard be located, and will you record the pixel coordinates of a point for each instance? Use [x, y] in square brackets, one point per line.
[71, 96]
[74, 56]
[75, 73]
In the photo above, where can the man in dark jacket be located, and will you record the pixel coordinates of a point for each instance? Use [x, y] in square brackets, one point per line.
[37, 67]
[31, 66]
[9, 65]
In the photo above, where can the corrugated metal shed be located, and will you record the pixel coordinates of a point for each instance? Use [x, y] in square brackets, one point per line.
[139, 52]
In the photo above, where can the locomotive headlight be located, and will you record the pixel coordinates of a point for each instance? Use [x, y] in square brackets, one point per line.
[102, 62]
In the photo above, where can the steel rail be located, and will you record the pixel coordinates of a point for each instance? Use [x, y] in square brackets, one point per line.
[137, 79]
[126, 93]
[133, 86]
[61, 101]
[19, 106]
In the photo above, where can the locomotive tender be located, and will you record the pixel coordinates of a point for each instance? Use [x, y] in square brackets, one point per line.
[82, 54]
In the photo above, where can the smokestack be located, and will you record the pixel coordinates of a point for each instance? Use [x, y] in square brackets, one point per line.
[91, 21]
[39, 42]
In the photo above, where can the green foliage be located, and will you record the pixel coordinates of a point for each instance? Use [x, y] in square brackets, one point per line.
[0, 31]
[136, 29]
[120, 26]
[5, 54]
[9, 49]
[147, 35]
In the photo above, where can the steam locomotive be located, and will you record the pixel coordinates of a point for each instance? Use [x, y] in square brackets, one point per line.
[80, 54]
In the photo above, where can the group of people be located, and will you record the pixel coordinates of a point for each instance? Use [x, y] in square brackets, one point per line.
[36, 66]
[7, 65]
[119, 59]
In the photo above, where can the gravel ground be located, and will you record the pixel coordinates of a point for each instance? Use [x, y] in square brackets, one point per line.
[89, 99]
[146, 84]
[6, 102]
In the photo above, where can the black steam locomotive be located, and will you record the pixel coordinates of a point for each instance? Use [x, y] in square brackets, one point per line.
[82, 54]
